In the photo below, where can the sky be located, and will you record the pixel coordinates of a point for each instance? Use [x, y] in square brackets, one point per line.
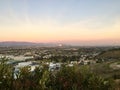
[77, 22]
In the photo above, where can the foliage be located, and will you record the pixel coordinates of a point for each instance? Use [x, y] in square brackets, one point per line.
[67, 78]
[6, 74]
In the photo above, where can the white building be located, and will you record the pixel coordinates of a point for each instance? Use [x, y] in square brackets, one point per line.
[54, 66]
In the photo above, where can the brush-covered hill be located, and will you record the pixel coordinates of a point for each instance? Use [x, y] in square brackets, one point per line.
[110, 54]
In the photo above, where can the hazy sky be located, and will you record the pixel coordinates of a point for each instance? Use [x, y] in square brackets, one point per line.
[82, 22]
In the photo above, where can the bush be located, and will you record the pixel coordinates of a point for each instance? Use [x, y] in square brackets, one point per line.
[67, 78]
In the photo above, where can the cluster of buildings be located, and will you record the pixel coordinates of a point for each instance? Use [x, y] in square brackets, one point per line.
[32, 59]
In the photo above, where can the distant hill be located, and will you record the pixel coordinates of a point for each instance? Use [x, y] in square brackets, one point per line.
[13, 44]
[16, 43]
[113, 53]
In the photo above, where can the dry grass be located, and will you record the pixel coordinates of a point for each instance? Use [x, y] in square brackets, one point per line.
[110, 54]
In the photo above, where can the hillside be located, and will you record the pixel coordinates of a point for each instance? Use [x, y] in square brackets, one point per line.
[114, 53]
[22, 44]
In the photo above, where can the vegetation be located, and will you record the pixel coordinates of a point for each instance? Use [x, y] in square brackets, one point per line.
[111, 54]
[67, 78]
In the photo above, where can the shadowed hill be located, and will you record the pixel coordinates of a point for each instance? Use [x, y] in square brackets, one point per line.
[113, 53]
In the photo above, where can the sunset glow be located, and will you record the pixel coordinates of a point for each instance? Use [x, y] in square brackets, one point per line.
[66, 21]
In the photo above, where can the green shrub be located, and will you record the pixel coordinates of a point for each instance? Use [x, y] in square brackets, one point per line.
[67, 78]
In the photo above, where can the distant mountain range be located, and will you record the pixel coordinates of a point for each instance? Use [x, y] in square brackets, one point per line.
[11, 44]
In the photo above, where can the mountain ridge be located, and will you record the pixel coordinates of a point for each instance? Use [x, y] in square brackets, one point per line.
[22, 43]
